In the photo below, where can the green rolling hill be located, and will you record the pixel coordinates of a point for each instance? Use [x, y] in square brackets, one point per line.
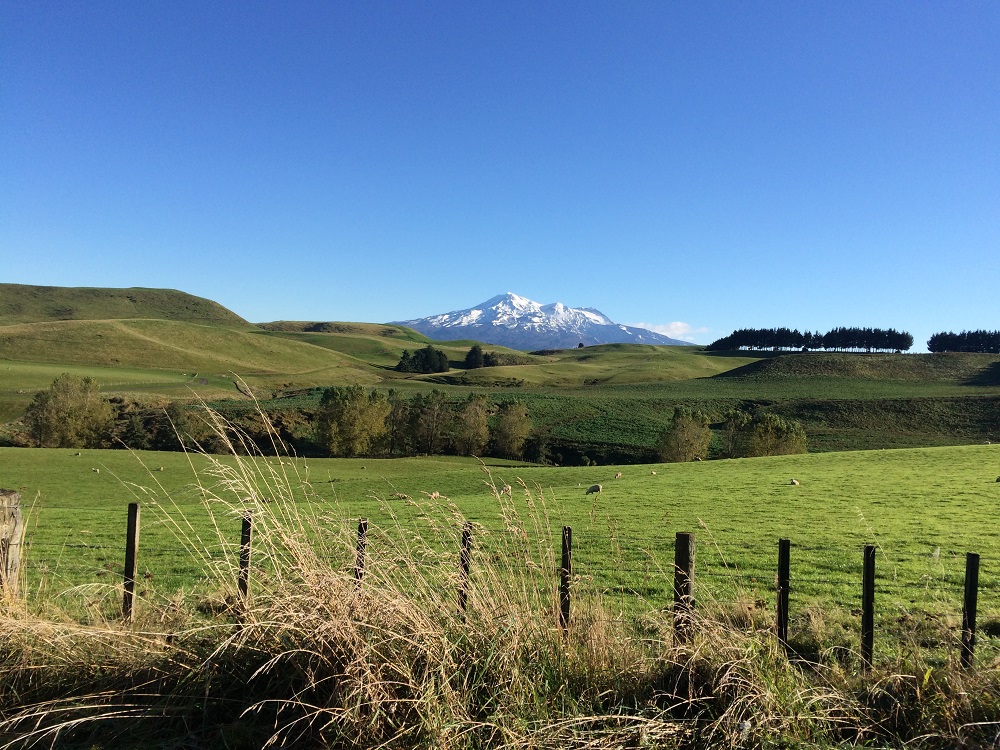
[608, 402]
[23, 303]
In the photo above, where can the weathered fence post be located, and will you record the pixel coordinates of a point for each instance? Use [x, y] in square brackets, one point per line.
[243, 584]
[359, 565]
[683, 585]
[969, 604]
[464, 565]
[11, 526]
[565, 572]
[868, 607]
[131, 553]
[784, 547]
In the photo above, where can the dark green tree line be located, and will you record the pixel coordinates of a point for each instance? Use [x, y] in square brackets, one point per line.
[985, 342]
[837, 339]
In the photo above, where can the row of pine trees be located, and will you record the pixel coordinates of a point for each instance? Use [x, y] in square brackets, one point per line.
[837, 339]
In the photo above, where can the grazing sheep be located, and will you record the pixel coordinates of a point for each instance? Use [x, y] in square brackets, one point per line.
[400, 496]
[96, 471]
[593, 488]
[618, 475]
[506, 490]
[794, 482]
[434, 495]
[653, 473]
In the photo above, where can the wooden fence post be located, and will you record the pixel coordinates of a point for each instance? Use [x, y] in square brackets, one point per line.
[683, 585]
[784, 547]
[11, 529]
[565, 572]
[969, 604]
[464, 565]
[359, 565]
[868, 608]
[243, 583]
[131, 552]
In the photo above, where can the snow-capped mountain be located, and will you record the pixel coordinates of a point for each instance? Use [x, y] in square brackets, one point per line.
[519, 323]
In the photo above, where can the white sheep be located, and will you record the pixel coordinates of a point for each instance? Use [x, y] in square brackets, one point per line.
[593, 488]
[794, 482]
[653, 473]
[618, 475]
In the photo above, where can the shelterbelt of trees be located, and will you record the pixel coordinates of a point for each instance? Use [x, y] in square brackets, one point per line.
[985, 342]
[837, 339]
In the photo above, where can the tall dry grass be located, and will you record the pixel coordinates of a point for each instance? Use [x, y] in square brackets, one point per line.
[312, 659]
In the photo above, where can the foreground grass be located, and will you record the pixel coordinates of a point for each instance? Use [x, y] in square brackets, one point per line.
[315, 659]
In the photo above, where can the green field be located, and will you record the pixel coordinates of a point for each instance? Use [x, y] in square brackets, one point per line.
[922, 508]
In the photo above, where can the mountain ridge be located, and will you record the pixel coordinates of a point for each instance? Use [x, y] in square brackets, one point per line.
[517, 322]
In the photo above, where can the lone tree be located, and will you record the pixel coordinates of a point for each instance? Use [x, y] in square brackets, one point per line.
[70, 414]
[687, 438]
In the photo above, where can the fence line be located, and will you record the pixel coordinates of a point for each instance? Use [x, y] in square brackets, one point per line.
[571, 575]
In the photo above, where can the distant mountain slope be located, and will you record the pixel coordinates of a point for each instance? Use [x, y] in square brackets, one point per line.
[519, 323]
[23, 303]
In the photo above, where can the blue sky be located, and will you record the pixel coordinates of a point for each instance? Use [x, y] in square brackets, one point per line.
[694, 167]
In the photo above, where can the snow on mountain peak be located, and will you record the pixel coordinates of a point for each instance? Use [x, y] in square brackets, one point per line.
[520, 323]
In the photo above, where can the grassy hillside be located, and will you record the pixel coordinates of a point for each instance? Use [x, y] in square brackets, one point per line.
[159, 358]
[170, 345]
[609, 403]
[23, 303]
[610, 364]
[952, 367]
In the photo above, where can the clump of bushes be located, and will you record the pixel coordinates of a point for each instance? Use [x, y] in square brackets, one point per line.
[424, 360]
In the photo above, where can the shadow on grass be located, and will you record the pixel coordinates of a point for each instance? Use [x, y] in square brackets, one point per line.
[988, 376]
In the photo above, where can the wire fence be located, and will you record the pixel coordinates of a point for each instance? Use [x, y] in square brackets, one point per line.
[920, 595]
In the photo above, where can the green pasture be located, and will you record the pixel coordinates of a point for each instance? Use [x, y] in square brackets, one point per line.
[607, 365]
[19, 381]
[923, 509]
[159, 343]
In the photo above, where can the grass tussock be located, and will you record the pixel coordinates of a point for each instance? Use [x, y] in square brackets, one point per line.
[315, 658]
